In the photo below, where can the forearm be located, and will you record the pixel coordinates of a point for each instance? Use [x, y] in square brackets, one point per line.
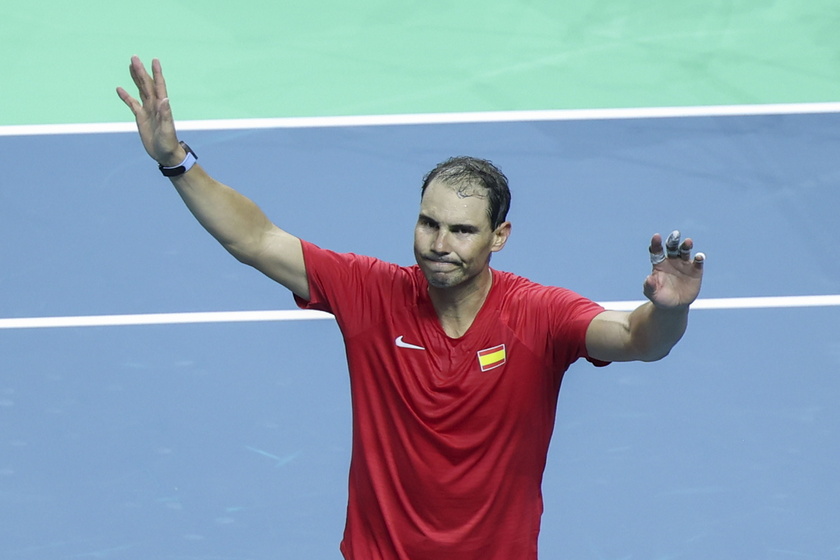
[653, 331]
[232, 218]
[649, 332]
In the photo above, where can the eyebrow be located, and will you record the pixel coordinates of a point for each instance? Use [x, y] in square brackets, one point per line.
[469, 228]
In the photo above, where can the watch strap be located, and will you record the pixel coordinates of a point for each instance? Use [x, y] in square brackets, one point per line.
[182, 167]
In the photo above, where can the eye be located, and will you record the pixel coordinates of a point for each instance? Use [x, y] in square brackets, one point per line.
[427, 222]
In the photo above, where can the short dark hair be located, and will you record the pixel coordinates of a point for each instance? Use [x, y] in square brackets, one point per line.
[473, 171]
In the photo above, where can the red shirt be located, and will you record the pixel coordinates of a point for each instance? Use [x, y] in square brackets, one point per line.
[450, 436]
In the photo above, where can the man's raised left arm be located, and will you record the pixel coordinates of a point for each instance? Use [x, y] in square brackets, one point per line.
[650, 331]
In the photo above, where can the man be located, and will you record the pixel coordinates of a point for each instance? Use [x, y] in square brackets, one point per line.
[455, 367]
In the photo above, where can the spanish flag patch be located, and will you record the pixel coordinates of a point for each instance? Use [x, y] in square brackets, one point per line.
[492, 357]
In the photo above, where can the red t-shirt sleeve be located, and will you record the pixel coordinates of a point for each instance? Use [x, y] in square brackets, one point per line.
[320, 263]
[347, 285]
[571, 325]
[554, 322]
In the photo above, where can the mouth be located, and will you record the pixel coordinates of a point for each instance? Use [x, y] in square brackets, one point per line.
[431, 258]
[440, 264]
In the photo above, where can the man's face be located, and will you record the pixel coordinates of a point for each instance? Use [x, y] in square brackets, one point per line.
[453, 238]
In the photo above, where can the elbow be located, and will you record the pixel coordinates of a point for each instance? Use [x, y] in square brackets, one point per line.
[654, 356]
[245, 251]
[243, 257]
[656, 352]
[652, 350]
[248, 258]
[254, 255]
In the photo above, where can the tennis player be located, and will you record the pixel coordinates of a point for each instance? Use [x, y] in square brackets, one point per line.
[455, 367]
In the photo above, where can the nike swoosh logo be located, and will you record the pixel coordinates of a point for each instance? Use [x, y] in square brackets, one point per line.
[402, 344]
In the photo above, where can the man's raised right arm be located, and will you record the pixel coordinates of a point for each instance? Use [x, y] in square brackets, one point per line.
[232, 218]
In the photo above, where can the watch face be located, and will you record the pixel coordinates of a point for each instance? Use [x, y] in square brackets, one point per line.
[188, 149]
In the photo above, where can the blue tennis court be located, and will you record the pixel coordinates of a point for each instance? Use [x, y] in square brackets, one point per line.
[230, 440]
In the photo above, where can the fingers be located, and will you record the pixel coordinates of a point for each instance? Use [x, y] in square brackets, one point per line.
[673, 249]
[151, 89]
[159, 82]
[135, 69]
[153, 101]
[132, 103]
[677, 249]
[142, 80]
[165, 119]
[657, 253]
[685, 249]
[672, 244]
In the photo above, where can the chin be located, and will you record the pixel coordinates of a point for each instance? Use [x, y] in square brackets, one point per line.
[440, 283]
[438, 280]
[444, 280]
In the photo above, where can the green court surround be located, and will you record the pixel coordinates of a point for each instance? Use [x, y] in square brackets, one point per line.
[63, 60]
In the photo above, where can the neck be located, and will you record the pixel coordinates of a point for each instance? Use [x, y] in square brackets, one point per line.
[457, 307]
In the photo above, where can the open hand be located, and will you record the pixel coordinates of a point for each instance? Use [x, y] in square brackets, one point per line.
[153, 113]
[676, 277]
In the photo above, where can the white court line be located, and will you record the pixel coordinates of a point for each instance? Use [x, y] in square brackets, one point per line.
[303, 315]
[439, 118]
[161, 319]
[776, 302]
[428, 118]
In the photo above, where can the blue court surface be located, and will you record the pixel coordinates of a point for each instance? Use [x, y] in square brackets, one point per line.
[231, 440]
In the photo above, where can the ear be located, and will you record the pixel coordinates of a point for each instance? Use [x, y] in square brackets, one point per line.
[500, 236]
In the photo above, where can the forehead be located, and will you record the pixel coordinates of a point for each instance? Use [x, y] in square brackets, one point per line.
[455, 203]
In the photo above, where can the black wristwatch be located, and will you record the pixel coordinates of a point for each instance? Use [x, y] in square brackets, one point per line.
[182, 167]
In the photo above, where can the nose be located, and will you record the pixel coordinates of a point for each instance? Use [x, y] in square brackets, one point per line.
[441, 242]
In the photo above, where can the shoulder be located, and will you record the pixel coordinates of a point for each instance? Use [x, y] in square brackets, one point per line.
[349, 273]
[532, 301]
[319, 260]
[517, 289]
[552, 320]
